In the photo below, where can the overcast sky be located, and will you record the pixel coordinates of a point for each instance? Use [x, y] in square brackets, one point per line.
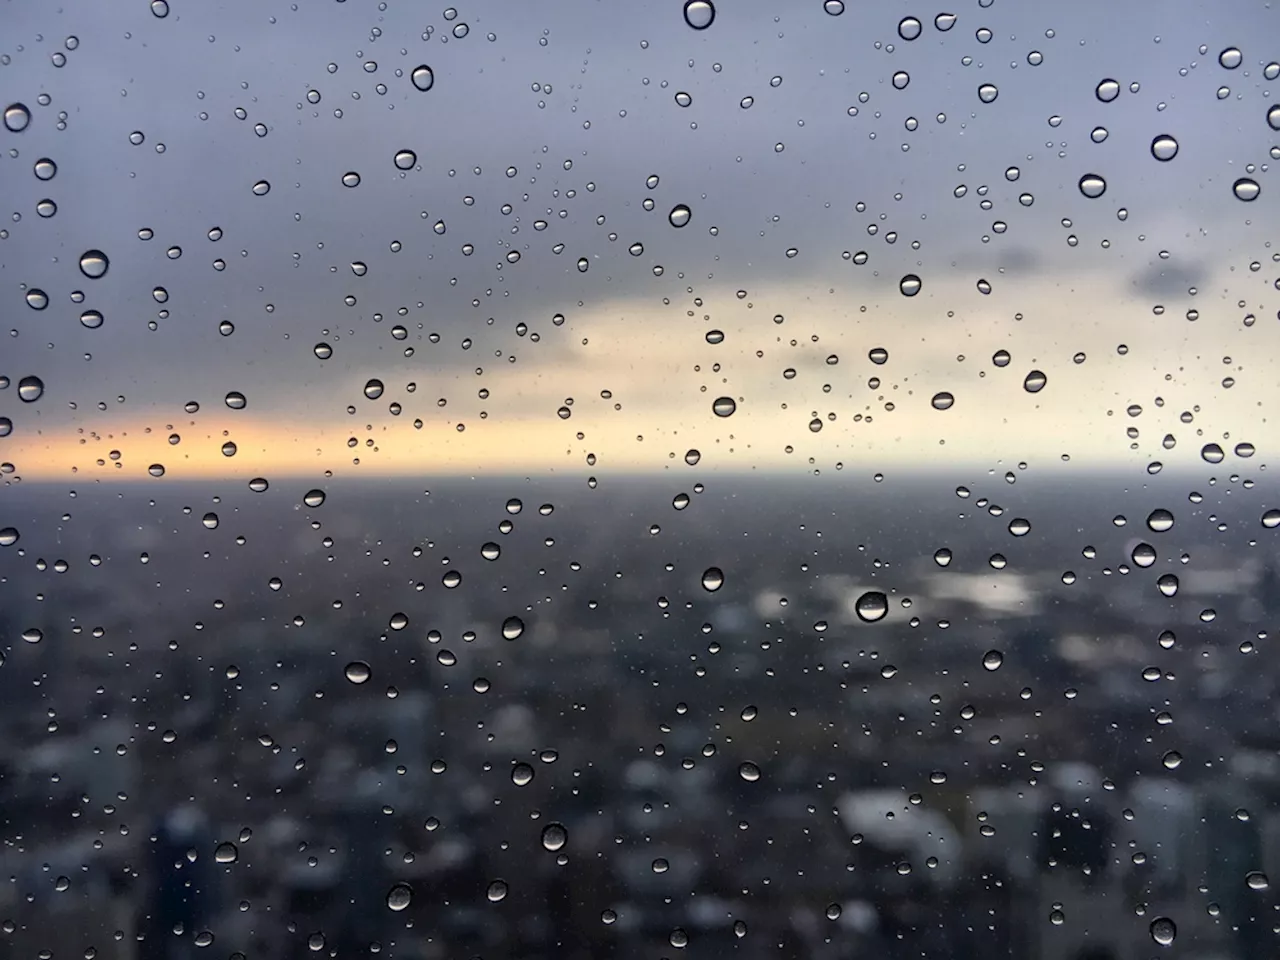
[536, 139]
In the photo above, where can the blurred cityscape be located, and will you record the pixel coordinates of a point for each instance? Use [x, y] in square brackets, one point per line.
[823, 719]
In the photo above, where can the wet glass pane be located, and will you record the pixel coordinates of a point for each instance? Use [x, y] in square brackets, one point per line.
[638, 480]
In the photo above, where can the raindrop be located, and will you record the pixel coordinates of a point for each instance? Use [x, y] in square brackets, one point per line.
[6, 426]
[679, 215]
[210, 521]
[261, 188]
[1019, 526]
[8, 537]
[93, 264]
[45, 169]
[1273, 117]
[405, 159]
[351, 179]
[712, 579]
[512, 627]
[160, 8]
[942, 556]
[992, 660]
[1271, 519]
[259, 485]
[16, 117]
[683, 99]
[423, 77]
[878, 355]
[944, 22]
[522, 774]
[749, 772]
[30, 389]
[1160, 521]
[1164, 147]
[1034, 381]
[226, 853]
[1257, 880]
[1168, 585]
[723, 407]
[943, 401]
[1246, 189]
[699, 14]
[1212, 453]
[910, 285]
[554, 837]
[1143, 555]
[91, 319]
[909, 28]
[834, 7]
[988, 92]
[323, 351]
[1107, 90]
[156, 470]
[358, 672]
[497, 891]
[1001, 358]
[871, 606]
[313, 498]
[1231, 58]
[1092, 186]
[37, 299]
[399, 896]
[235, 400]
[373, 389]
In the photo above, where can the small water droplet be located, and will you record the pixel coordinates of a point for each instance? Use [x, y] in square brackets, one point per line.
[1168, 585]
[210, 521]
[944, 22]
[160, 8]
[351, 179]
[988, 92]
[92, 319]
[37, 299]
[45, 169]
[322, 350]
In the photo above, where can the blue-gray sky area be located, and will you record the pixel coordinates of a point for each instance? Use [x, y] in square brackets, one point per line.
[518, 285]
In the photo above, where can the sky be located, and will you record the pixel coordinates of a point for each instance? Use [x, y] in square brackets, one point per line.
[553, 319]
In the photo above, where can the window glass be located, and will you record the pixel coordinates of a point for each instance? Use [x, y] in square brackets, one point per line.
[638, 479]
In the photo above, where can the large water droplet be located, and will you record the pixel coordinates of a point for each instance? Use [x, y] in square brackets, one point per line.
[992, 660]
[1163, 931]
[944, 22]
[1230, 58]
[45, 169]
[226, 852]
[9, 536]
[943, 400]
[313, 498]
[1212, 453]
[871, 606]
[16, 117]
[1256, 880]
[1143, 555]
[679, 215]
[405, 159]
[554, 836]
[1168, 585]
[712, 579]
[1271, 518]
[322, 350]
[1034, 381]
[94, 264]
[749, 772]
[30, 388]
[1160, 521]
[1246, 189]
[423, 77]
[699, 14]
[834, 7]
[358, 672]
[373, 389]
[37, 299]
[497, 891]
[522, 774]
[988, 92]
[160, 8]
[909, 28]
[1273, 116]
[512, 627]
[6, 426]
[399, 897]
[1107, 90]
[723, 407]
[1164, 147]
[1092, 186]
[351, 179]
[910, 285]
[92, 319]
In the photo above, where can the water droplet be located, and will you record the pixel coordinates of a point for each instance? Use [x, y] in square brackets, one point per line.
[1019, 526]
[210, 521]
[399, 897]
[490, 550]
[226, 853]
[405, 159]
[909, 28]
[943, 401]
[1034, 381]
[512, 627]
[30, 389]
[497, 891]
[1271, 519]
[723, 407]
[554, 837]
[992, 660]
[451, 580]
[692, 456]
[1273, 116]
[1168, 585]
[942, 556]
[871, 606]
[322, 350]
[834, 7]
[91, 319]
[1257, 880]
[94, 263]
[680, 215]
[32, 635]
[259, 485]
[261, 188]
[16, 117]
[9, 536]
[351, 179]
[156, 470]
[235, 400]
[944, 22]
[6, 426]
[699, 14]
[313, 498]
[37, 299]
[1164, 147]
[749, 772]
[878, 355]
[522, 774]
[1092, 186]
[1212, 453]
[1160, 521]
[988, 92]
[423, 77]
[1246, 189]
[1143, 555]
[1107, 90]
[1231, 58]
[45, 169]
[910, 285]
[712, 579]
[373, 389]
[160, 8]
[683, 99]
[358, 672]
